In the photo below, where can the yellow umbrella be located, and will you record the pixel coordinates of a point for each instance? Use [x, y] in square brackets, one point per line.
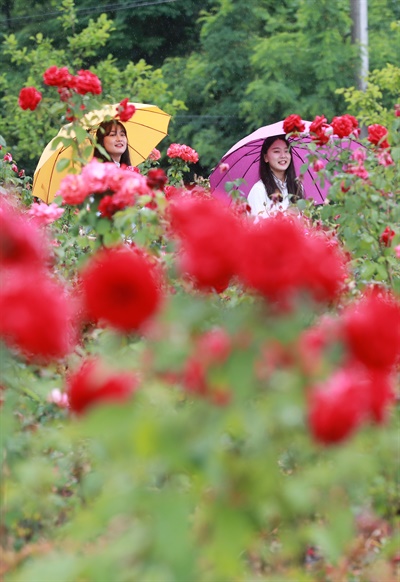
[146, 128]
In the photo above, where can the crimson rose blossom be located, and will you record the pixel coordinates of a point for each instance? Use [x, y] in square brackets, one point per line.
[29, 98]
[371, 329]
[36, 316]
[120, 287]
[156, 178]
[320, 130]
[56, 77]
[337, 408]
[324, 267]
[344, 125]
[21, 242]
[293, 123]
[125, 110]
[210, 236]
[94, 383]
[387, 236]
[281, 259]
[87, 82]
[377, 135]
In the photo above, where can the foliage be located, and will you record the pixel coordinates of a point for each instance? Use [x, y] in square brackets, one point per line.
[139, 81]
[375, 103]
[236, 65]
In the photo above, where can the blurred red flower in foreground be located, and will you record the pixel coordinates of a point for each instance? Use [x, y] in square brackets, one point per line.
[280, 258]
[337, 407]
[37, 317]
[21, 242]
[94, 383]
[210, 236]
[120, 287]
[29, 98]
[156, 178]
[371, 329]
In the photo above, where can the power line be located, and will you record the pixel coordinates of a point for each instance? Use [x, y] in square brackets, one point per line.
[91, 9]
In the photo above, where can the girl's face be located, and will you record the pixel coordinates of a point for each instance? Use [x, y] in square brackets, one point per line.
[116, 142]
[278, 157]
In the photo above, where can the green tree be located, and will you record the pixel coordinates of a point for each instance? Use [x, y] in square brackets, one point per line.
[28, 136]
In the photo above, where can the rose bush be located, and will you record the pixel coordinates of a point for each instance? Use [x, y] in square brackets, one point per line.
[213, 399]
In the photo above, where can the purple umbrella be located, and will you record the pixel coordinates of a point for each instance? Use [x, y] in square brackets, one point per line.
[243, 161]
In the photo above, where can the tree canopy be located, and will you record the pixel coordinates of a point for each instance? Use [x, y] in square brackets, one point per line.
[235, 65]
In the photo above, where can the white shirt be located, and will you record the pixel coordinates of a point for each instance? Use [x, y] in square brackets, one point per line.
[261, 205]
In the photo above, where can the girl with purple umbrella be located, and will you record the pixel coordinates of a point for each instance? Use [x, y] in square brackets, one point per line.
[278, 186]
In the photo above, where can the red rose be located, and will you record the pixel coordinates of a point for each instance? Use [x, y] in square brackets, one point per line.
[337, 408]
[320, 130]
[22, 244]
[38, 323]
[93, 383]
[108, 206]
[125, 110]
[87, 82]
[156, 179]
[29, 98]
[293, 123]
[57, 77]
[210, 236]
[344, 126]
[120, 287]
[377, 135]
[387, 236]
[371, 329]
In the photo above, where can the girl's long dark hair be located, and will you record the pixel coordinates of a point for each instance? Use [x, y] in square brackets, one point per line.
[105, 129]
[294, 186]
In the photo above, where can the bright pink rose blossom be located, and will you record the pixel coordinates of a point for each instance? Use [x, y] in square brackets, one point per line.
[183, 152]
[45, 213]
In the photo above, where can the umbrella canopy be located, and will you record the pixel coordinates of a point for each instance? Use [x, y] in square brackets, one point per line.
[146, 128]
[243, 161]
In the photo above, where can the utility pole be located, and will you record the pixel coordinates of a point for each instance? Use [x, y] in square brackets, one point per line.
[359, 14]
